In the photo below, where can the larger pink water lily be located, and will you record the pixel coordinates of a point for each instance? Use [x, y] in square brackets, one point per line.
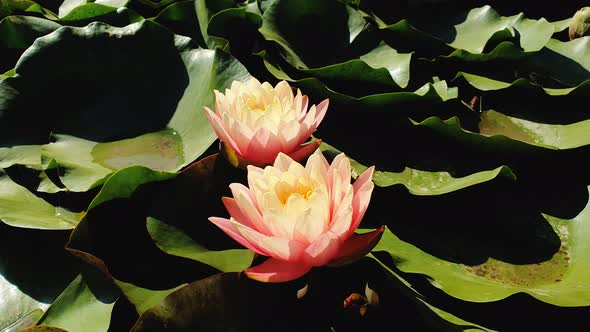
[299, 216]
[257, 121]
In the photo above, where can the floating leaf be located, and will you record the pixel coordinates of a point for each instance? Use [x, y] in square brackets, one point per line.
[420, 182]
[28, 155]
[32, 276]
[85, 305]
[322, 32]
[21, 31]
[205, 9]
[78, 171]
[21, 208]
[124, 182]
[560, 280]
[94, 11]
[143, 298]
[181, 18]
[558, 137]
[520, 134]
[174, 242]
[488, 84]
[172, 99]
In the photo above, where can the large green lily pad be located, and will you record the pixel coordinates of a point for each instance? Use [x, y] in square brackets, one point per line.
[21, 208]
[419, 182]
[85, 305]
[561, 280]
[32, 275]
[558, 137]
[514, 134]
[171, 99]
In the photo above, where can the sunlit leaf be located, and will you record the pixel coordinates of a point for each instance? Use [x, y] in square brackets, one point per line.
[419, 182]
[143, 298]
[21, 208]
[173, 99]
[560, 280]
[174, 242]
[85, 305]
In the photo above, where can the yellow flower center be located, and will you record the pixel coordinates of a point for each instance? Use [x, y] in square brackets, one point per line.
[256, 104]
[301, 187]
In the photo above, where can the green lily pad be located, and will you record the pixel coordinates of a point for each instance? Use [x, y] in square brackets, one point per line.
[205, 9]
[78, 171]
[481, 24]
[560, 281]
[421, 183]
[124, 182]
[28, 155]
[488, 84]
[558, 137]
[143, 298]
[21, 31]
[159, 151]
[181, 18]
[21, 208]
[85, 305]
[472, 31]
[174, 242]
[435, 92]
[236, 29]
[174, 100]
[12, 7]
[68, 5]
[566, 62]
[352, 56]
[32, 276]
[397, 64]
[96, 12]
[514, 134]
[310, 33]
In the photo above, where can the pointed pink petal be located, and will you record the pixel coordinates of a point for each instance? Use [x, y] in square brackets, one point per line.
[342, 215]
[339, 180]
[237, 188]
[356, 247]
[322, 250]
[363, 188]
[317, 167]
[304, 104]
[263, 148]
[318, 157]
[305, 150]
[246, 214]
[274, 246]
[321, 112]
[282, 162]
[319, 116]
[226, 226]
[220, 130]
[275, 270]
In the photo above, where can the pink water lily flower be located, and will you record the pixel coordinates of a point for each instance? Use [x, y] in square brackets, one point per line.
[299, 216]
[257, 121]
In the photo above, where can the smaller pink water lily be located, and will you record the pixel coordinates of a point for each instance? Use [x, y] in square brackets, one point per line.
[299, 216]
[257, 121]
